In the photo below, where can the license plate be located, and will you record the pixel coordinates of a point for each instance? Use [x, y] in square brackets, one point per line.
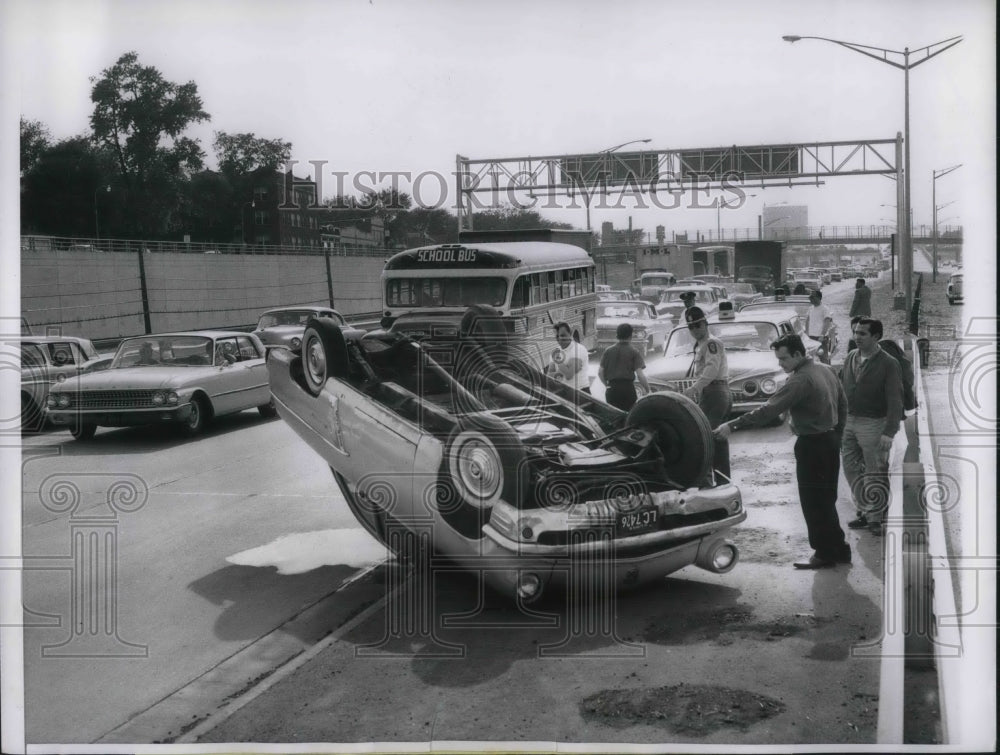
[638, 521]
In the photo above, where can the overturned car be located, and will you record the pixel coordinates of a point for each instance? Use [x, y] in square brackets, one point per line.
[463, 445]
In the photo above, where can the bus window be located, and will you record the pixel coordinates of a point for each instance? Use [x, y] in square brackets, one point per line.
[521, 295]
[553, 292]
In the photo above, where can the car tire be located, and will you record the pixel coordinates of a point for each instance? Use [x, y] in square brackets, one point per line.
[268, 410]
[198, 418]
[324, 353]
[84, 431]
[684, 435]
[483, 463]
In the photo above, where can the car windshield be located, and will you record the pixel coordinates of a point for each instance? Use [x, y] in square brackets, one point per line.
[445, 292]
[622, 310]
[657, 280]
[743, 288]
[735, 336]
[158, 351]
[699, 295]
[289, 317]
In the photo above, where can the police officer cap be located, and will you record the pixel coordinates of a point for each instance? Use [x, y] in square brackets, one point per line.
[687, 295]
[693, 315]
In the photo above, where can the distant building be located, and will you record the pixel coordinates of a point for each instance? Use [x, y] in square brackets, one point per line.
[283, 211]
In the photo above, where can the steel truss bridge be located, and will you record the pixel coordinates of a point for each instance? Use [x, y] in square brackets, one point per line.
[664, 174]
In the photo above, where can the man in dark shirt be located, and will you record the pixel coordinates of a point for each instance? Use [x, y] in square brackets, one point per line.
[815, 400]
[620, 366]
[873, 385]
[862, 304]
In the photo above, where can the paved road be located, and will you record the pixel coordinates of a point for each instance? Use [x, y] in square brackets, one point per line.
[234, 534]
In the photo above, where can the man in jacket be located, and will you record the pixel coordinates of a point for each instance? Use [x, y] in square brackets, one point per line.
[873, 385]
[862, 304]
[815, 401]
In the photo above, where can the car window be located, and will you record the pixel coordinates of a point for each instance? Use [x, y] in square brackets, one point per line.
[173, 351]
[62, 354]
[226, 351]
[32, 356]
[248, 350]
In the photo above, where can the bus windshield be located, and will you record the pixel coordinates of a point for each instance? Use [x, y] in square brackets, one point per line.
[440, 291]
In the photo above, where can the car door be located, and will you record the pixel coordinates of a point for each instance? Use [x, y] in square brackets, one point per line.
[236, 384]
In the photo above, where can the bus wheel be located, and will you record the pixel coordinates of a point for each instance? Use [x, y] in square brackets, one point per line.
[684, 435]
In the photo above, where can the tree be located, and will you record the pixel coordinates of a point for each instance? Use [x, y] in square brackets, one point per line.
[507, 217]
[35, 139]
[65, 191]
[140, 117]
[241, 154]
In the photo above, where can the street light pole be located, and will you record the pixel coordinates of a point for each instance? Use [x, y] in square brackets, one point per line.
[587, 196]
[906, 242]
[934, 232]
[718, 213]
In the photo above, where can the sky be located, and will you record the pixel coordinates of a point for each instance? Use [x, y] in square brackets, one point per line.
[390, 85]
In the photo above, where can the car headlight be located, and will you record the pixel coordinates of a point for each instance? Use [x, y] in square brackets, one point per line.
[50, 401]
[62, 400]
[750, 388]
[296, 342]
[171, 397]
[768, 385]
[158, 398]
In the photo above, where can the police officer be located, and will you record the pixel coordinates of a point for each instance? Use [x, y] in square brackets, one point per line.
[688, 298]
[711, 386]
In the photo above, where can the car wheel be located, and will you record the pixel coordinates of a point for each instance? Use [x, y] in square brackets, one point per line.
[267, 411]
[198, 417]
[84, 431]
[32, 419]
[483, 462]
[684, 435]
[324, 353]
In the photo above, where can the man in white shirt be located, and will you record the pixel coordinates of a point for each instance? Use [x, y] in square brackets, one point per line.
[819, 321]
[568, 362]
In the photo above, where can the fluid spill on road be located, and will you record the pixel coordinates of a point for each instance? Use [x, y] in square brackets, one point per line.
[304, 551]
[693, 709]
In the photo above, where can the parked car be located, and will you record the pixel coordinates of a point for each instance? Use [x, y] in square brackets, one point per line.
[742, 294]
[954, 290]
[649, 330]
[284, 326]
[461, 444]
[671, 304]
[47, 361]
[754, 374]
[186, 379]
[811, 281]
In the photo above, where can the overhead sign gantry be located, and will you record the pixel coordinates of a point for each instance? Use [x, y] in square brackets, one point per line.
[669, 171]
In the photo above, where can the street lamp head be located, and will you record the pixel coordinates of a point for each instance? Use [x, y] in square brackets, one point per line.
[791, 38]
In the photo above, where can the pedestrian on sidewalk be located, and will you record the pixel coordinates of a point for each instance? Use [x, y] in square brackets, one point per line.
[873, 384]
[819, 321]
[815, 401]
[620, 366]
[710, 390]
[862, 304]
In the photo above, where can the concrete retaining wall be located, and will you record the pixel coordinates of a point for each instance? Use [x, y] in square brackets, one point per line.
[97, 294]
